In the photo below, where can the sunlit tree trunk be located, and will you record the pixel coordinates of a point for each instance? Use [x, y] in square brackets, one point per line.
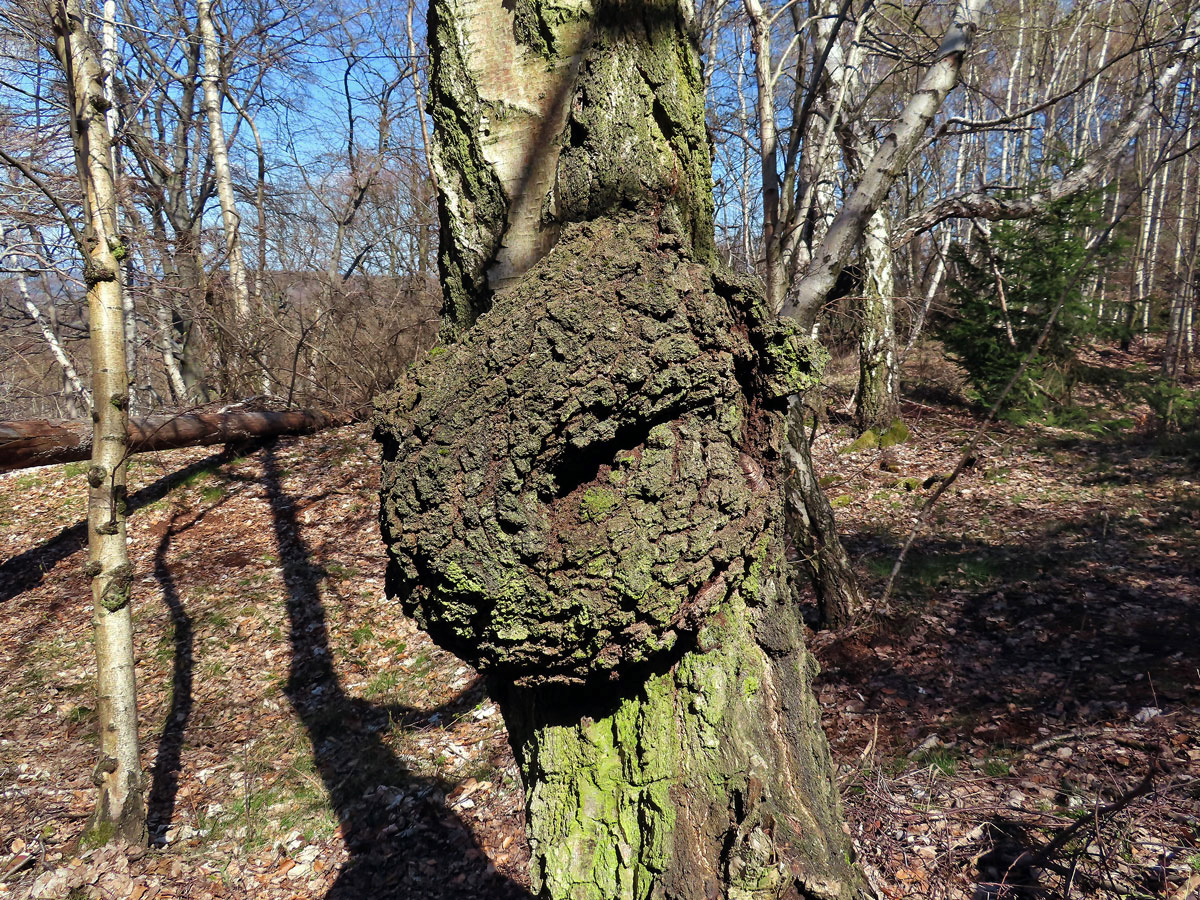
[79, 395]
[120, 808]
[230, 220]
[877, 403]
[700, 771]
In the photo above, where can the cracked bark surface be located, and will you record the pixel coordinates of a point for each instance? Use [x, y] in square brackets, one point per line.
[581, 492]
[581, 499]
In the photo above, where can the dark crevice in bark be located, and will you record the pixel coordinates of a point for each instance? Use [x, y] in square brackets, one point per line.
[632, 609]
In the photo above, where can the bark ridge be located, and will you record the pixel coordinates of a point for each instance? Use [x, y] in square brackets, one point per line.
[574, 485]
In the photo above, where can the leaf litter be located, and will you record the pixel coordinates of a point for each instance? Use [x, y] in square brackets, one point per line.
[1039, 660]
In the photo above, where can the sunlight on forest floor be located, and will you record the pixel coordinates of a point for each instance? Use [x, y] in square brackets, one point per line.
[1039, 657]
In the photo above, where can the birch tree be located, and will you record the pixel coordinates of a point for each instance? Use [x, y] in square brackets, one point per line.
[223, 174]
[608, 410]
[120, 811]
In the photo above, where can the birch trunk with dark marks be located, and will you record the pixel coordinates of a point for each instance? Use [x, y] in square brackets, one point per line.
[231, 220]
[814, 531]
[582, 492]
[877, 403]
[888, 162]
[120, 812]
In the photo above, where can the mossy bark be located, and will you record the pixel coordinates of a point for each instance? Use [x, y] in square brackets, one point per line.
[582, 491]
[709, 777]
[581, 498]
[554, 111]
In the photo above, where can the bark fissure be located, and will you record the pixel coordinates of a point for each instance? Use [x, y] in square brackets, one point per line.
[581, 494]
[637, 626]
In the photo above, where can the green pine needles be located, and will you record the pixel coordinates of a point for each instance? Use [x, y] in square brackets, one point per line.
[1006, 287]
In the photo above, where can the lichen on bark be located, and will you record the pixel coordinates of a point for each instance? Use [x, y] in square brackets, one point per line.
[579, 498]
[580, 488]
[471, 201]
[576, 484]
[548, 112]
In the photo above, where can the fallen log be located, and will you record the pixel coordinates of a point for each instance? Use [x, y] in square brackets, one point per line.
[40, 442]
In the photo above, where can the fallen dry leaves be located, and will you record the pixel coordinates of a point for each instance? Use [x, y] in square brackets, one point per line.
[305, 739]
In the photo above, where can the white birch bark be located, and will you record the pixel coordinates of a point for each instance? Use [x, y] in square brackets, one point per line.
[120, 808]
[57, 350]
[222, 174]
[773, 267]
[886, 165]
[983, 204]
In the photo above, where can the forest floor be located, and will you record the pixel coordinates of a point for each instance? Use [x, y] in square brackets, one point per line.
[1038, 665]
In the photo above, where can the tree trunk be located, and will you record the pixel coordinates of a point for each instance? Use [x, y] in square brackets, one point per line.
[877, 403]
[709, 779]
[222, 174]
[814, 531]
[120, 812]
[600, 528]
[43, 442]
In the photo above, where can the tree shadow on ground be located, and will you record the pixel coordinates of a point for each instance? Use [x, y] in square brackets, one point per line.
[403, 840]
[164, 784]
[1070, 623]
[26, 570]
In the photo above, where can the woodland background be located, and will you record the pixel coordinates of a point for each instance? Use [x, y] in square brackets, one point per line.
[1036, 663]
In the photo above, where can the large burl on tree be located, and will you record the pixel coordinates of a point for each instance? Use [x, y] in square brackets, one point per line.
[580, 498]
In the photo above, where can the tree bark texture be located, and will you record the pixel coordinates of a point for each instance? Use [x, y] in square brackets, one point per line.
[41, 442]
[581, 495]
[120, 812]
[552, 112]
[231, 220]
[581, 499]
[877, 403]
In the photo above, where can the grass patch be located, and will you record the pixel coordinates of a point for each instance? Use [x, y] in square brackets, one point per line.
[941, 759]
[382, 684]
[994, 767]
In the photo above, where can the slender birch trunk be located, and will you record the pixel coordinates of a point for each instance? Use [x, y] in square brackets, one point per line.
[80, 394]
[774, 264]
[222, 174]
[885, 166]
[120, 807]
[878, 399]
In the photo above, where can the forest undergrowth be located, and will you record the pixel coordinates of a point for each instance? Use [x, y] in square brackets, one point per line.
[1037, 666]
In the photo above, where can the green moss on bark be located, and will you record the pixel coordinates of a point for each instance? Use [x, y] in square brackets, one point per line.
[636, 135]
[571, 506]
[565, 491]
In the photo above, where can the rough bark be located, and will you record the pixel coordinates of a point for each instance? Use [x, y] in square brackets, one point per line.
[581, 498]
[120, 812]
[582, 495]
[41, 442]
[550, 113]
